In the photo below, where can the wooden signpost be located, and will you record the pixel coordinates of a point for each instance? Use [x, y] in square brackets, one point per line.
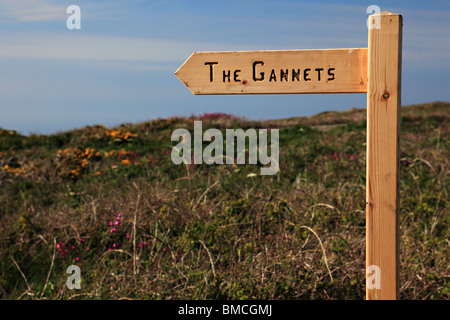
[284, 71]
[375, 70]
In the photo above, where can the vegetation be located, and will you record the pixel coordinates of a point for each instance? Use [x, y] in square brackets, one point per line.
[111, 201]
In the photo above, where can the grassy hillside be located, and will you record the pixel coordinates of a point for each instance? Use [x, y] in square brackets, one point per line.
[140, 227]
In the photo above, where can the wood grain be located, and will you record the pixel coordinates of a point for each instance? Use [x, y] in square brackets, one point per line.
[214, 72]
[383, 132]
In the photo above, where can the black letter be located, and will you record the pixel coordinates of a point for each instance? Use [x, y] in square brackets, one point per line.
[254, 70]
[284, 75]
[210, 70]
[295, 74]
[306, 74]
[318, 72]
[331, 74]
[226, 75]
[273, 76]
[236, 76]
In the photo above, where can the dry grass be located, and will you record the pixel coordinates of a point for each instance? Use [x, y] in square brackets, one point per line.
[213, 232]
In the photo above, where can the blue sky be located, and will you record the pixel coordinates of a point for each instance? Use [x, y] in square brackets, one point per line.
[120, 66]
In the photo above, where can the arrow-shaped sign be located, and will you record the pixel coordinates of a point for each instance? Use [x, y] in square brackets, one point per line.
[286, 71]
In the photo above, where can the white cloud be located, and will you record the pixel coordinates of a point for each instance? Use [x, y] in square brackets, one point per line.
[85, 47]
[33, 10]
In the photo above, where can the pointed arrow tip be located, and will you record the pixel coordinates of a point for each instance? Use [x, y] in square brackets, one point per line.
[178, 72]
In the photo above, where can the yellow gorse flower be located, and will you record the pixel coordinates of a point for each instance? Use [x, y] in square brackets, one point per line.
[80, 159]
[119, 135]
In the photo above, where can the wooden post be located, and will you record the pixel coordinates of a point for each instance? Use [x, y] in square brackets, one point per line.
[383, 135]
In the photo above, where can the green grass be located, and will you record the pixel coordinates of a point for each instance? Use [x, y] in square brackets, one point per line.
[214, 232]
